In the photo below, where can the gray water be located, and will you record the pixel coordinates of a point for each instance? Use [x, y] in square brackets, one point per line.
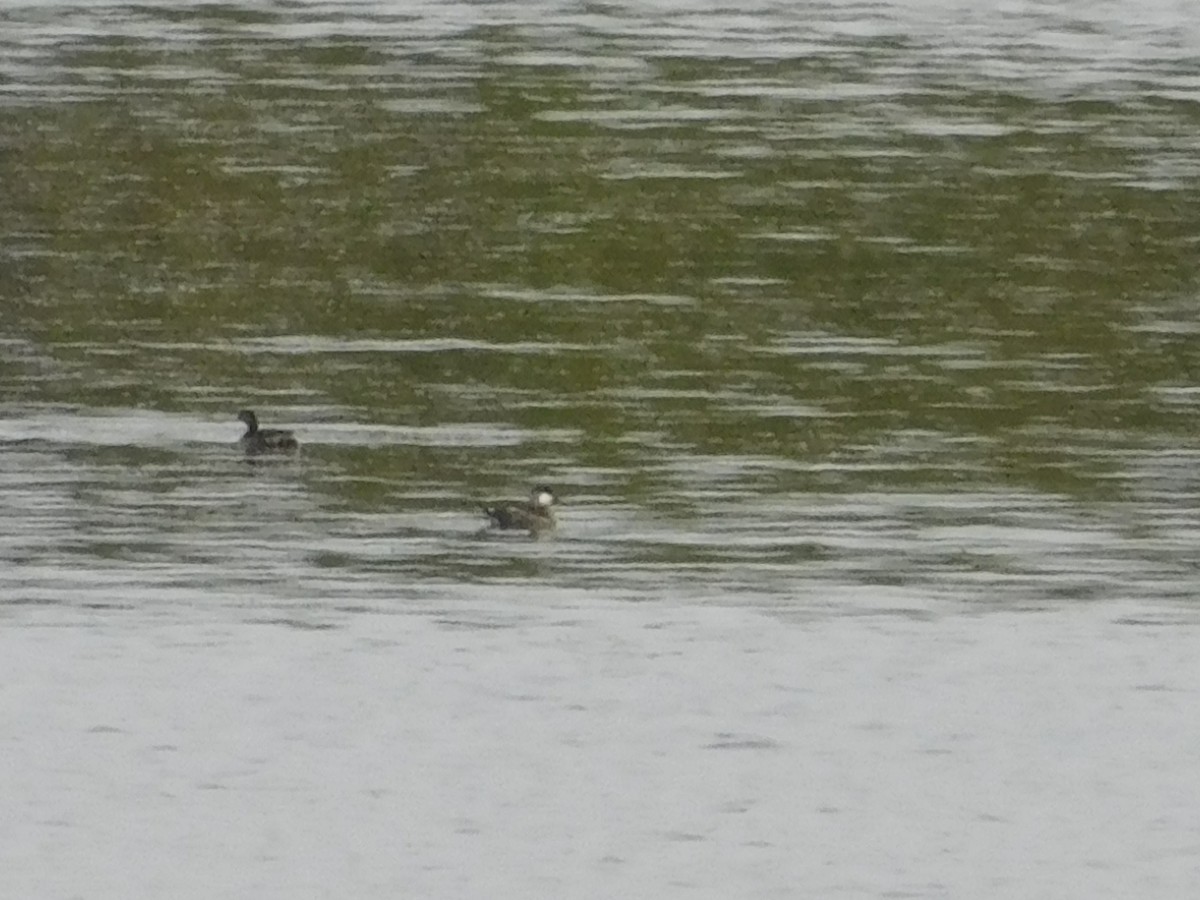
[858, 340]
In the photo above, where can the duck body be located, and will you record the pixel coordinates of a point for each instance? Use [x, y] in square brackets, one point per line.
[535, 515]
[259, 441]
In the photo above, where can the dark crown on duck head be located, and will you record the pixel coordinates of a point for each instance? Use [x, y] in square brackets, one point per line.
[249, 418]
[543, 495]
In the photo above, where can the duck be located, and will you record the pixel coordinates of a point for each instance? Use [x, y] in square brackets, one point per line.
[535, 515]
[257, 441]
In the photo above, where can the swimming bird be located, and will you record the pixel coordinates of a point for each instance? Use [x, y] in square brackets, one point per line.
[257, 441]
[534, 515]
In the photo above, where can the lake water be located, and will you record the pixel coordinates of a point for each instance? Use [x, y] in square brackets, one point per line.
[859, 340]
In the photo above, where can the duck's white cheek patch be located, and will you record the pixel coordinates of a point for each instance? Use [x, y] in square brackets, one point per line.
[545, 498]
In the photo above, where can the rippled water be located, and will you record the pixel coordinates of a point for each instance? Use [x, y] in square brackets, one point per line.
[827, 321]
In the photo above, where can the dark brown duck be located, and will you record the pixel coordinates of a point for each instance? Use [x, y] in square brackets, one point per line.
[536, 515]
[258, 441]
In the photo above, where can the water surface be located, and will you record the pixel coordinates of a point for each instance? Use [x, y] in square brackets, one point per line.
[867, 324]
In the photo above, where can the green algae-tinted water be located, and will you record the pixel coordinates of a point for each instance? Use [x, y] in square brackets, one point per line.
[832, 305]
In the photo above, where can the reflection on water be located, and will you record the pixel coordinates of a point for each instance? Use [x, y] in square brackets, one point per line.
[835, 307]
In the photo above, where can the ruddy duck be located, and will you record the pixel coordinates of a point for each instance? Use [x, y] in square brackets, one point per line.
[257, 441]
[535, 515]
